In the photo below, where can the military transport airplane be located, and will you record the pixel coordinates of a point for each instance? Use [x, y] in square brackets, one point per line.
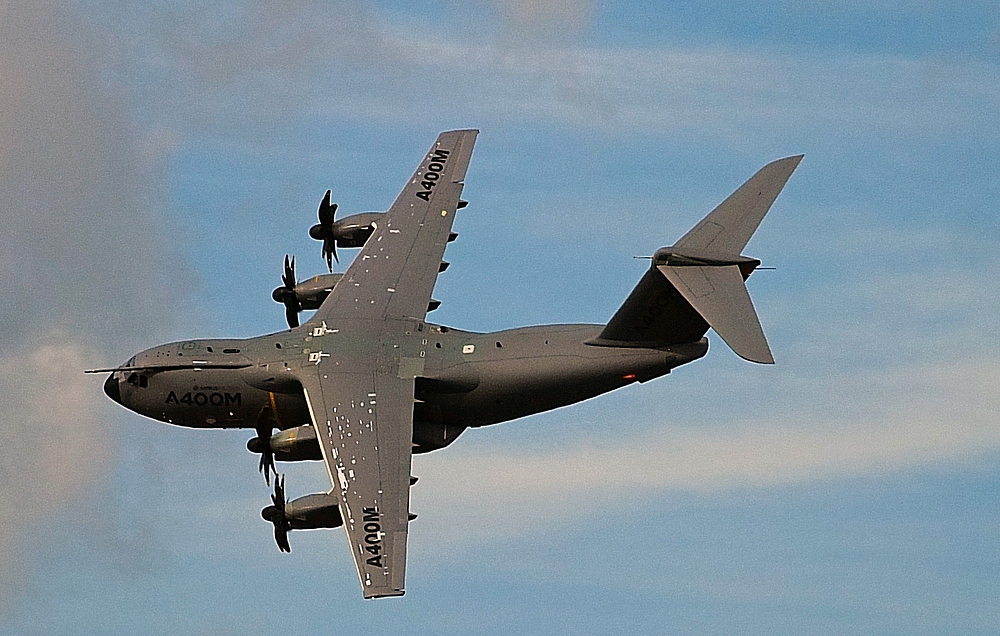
[367, 382]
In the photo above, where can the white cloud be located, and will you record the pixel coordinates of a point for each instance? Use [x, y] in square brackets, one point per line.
[54, 442]
[248, 74]
[84, 262]
[920, 417]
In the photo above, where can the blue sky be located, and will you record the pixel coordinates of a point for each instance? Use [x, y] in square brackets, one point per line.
[158, 161]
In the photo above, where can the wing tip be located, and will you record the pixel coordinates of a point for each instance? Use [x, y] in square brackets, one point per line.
[755, 349]
[383, 593]
[758, 358]
[793, 160]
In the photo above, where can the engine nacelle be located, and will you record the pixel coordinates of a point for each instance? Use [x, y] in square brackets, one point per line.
[350, 231]
[296, 445]
[300, 444]
[311, 292]
[313, 511]
[309, 513]
[292, 445]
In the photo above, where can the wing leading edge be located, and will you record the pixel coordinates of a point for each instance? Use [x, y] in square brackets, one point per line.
[394, 274]
[360, 389]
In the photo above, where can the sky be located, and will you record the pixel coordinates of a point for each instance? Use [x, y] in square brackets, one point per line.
[158, 160]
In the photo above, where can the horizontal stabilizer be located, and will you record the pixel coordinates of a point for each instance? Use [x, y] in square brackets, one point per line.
[728, 228]
[698, 282]
[719, 295]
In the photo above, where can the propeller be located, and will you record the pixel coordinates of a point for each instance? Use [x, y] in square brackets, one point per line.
[325, 230]
[262, 444]
[286, 294]
[276, 515]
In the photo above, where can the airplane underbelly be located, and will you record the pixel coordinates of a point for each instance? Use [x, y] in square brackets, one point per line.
[509, 389]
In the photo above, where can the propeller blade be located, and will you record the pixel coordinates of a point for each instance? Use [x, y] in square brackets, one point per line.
[266, 465]
[291, 316]
[281, 537]
[262, 442]
[330, 250]
[327, 211]
[276, 514]
[279, 494]
[286, 293]
[326, 230]
[288, 278]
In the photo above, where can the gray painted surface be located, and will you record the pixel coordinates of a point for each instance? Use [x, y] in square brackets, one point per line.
[377, 383]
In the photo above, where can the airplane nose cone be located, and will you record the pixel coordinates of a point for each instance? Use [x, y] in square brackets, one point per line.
[112, 390]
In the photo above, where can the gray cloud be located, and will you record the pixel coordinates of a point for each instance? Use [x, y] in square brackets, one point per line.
[545, 21]
[368, 71]
[85, 261]
[244, 70]
[249, 71]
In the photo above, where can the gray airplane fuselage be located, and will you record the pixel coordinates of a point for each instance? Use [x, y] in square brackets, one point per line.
[463, 379]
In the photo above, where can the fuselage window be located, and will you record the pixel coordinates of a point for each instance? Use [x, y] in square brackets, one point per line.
[230, 351]
[209, 349]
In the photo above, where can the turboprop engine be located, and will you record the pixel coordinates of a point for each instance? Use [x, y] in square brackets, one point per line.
[350, 231]
[305, 513]
[291, 445]
[309, 294]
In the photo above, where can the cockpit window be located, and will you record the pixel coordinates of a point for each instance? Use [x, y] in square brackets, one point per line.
[131, 362]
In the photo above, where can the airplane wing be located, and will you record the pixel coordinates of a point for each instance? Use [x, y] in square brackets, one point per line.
[394, 274]
[358, 381]
[364, 422]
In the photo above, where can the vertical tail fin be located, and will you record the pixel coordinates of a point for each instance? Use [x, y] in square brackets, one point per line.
[699, 282]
